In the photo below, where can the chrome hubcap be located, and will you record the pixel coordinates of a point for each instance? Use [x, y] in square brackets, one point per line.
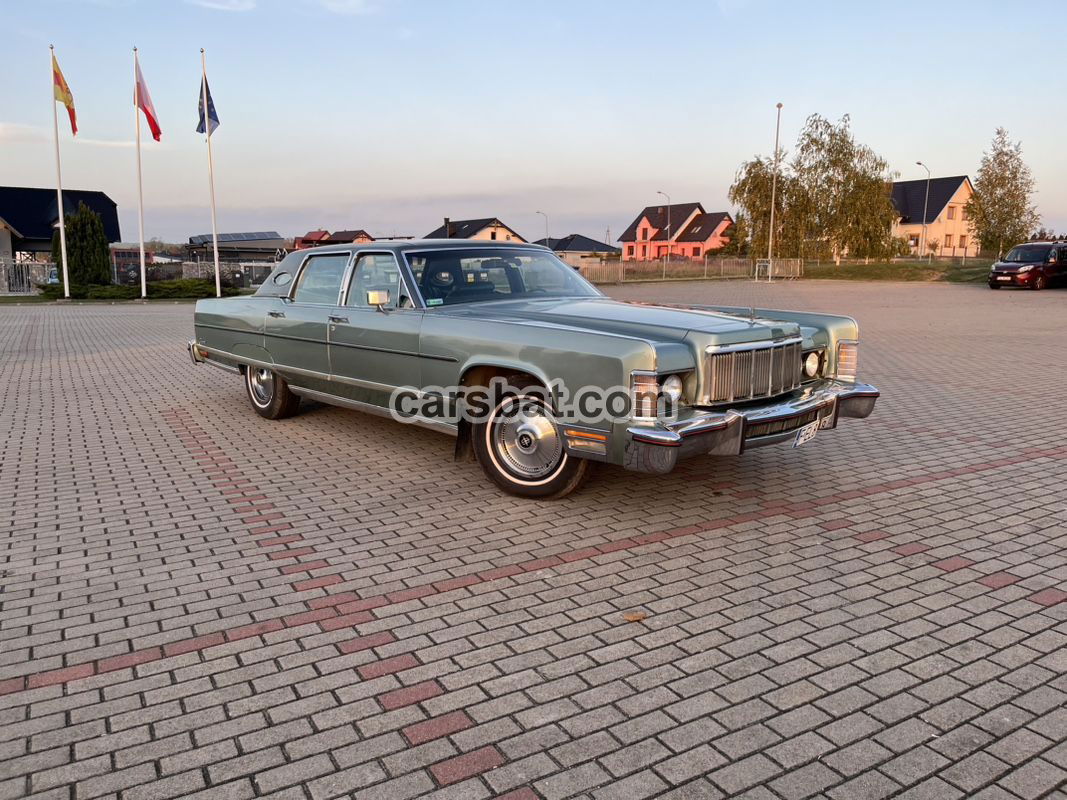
[261, 381]
[527, 439]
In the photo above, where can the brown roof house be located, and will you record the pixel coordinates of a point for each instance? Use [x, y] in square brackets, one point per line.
[681, 229]
[489, 228]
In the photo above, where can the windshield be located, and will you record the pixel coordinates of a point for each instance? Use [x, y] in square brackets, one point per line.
[1027, 254]
[448, 277]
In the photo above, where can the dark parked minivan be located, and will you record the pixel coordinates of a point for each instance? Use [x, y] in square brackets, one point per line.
[1034, 265]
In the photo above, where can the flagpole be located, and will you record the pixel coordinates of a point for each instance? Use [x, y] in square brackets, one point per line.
[140, 189]
[210, 171]
[59, 179]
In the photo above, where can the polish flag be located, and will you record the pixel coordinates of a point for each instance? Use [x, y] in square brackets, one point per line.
[143, 100]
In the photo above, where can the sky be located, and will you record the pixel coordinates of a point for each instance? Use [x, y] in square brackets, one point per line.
[389, 115]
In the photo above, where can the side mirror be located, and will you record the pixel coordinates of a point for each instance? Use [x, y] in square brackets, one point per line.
[378, 297]
[1052, 257]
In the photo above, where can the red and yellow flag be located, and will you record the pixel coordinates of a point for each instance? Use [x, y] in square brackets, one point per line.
[63, 95]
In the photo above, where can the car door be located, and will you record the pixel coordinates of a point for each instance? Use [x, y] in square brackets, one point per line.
[374, 346]
[296, 326]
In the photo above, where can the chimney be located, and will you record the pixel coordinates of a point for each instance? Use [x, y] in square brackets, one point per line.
[448, 228]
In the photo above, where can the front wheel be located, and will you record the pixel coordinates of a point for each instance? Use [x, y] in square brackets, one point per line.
[1040, 282]
[269, 393]
[994, 285]
[520, 448]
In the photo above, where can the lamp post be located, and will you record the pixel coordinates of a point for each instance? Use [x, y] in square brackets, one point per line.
[774, 192]
[926, 203]
[667, 251]
[548, 243]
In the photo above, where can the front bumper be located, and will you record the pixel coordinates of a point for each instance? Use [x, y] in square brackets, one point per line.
[1011, 278]
[659, 446]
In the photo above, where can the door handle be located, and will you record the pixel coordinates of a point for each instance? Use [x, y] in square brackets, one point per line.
[275, 313]
[338, 319]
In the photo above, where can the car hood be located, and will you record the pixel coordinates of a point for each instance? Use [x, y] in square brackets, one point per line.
[1014, 266]
[641, 320]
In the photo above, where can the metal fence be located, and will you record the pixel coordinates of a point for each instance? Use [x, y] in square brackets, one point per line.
[23, 277]
[612, 271]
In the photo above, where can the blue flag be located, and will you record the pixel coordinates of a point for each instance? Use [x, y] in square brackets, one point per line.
[213, 118]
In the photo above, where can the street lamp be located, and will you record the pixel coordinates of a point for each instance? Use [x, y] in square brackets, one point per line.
[774, 191]
[548, 243]
[667, 251]
[926, 203]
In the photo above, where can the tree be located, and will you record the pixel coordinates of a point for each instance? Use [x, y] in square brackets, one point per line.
[737, 238]
[1000, 207]
[88, 255]
[832, 198]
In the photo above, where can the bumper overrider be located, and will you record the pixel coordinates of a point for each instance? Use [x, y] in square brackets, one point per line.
[658, 446]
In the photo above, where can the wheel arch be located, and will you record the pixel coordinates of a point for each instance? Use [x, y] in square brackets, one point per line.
[480, 374]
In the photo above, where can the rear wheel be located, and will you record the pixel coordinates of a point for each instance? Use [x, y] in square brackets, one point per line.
[520, 448]
[269, 393]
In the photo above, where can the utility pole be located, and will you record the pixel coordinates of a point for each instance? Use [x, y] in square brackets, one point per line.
[667, 251]
[926, 205]
[774, 191]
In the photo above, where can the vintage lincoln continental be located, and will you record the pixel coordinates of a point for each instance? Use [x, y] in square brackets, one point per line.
[360, 326]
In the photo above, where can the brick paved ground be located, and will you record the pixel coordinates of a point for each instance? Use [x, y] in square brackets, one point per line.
[197, 602]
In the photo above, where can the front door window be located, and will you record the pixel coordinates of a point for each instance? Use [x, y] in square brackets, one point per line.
[376, 272]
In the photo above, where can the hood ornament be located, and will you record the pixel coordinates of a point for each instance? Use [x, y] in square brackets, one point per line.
[752, 314]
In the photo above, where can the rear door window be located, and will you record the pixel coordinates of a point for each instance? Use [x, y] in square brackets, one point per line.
[320, 280]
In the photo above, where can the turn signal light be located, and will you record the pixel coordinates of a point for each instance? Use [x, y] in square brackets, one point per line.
[848, 357]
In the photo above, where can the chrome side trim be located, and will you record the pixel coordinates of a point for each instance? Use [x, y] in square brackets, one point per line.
[356, 405]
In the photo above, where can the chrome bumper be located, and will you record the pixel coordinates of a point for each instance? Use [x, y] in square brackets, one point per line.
[659, 446]
[197, 354]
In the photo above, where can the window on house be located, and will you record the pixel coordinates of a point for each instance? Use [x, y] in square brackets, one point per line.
[948, 240]
[644, 250]
[952, 212]
[492, 235]
[629, 250]
[644, 233]
[963, 214]
[696, 251]
[913, 240]
[963, 242]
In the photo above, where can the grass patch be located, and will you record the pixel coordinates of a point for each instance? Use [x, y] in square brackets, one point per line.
[19, 299]
[904, 271]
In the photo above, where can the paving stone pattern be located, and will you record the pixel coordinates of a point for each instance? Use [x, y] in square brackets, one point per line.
[196, 602]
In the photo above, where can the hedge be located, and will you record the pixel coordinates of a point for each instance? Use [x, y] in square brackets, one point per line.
[180, 289]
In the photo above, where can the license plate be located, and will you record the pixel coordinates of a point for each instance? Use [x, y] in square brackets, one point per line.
[1003, 277]
[806, 434]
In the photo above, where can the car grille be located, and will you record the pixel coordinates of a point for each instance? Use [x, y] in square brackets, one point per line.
[757, 429]
[749, 374]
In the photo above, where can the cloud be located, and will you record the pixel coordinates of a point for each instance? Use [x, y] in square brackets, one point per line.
[16, 133]
[13, 132]
[224, 5]
[349, 7]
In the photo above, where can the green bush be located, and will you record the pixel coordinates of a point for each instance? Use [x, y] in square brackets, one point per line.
[180, 289]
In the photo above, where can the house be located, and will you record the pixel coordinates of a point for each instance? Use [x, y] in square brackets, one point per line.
[488, 228]
[948, 231]
[28, 218]
[310, 239]
[693, 232]
[572, 249]
[257, 246]
[348, 237]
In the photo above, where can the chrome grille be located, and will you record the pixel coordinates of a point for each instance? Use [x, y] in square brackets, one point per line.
[750, 372]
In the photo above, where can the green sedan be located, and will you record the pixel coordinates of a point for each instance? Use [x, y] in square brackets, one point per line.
[535, 372]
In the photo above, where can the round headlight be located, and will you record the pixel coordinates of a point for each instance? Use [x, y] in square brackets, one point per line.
[811, 365]
[672, 388]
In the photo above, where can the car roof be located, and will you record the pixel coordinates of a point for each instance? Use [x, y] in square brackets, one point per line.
[400, 245]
